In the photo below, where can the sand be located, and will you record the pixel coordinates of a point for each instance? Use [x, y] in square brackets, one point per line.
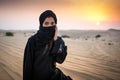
[89, 58]
[4, 75]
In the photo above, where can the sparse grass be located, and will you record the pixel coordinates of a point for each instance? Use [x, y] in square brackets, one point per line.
[9, 34]
[65, 36]
[110, 43]
[98, 36]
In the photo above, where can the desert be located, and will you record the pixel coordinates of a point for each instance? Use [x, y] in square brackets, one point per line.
[92, 54]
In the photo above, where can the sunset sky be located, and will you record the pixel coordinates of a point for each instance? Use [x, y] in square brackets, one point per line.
[71, 14]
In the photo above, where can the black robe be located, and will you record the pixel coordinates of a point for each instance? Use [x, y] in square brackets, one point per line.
[40, 59]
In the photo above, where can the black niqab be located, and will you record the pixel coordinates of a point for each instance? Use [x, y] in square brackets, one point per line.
[46, 34]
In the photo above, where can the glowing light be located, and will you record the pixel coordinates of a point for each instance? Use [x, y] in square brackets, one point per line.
[98, 23]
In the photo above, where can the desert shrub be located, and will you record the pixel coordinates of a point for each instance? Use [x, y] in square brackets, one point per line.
[98, 36]
[65, 36]
[9, 34]
[110, 43]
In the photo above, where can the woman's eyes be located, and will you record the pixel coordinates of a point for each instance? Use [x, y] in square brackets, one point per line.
[52, 23]
[47, 23]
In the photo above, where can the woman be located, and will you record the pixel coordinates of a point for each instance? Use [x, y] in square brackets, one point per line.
[43, 50]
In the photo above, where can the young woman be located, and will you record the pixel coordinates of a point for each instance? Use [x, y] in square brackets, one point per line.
[43, 50]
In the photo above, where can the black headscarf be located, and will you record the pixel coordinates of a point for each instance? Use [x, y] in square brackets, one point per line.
[46, 34]
[45, 14]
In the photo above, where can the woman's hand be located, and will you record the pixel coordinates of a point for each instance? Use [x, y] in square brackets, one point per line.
[56, 33]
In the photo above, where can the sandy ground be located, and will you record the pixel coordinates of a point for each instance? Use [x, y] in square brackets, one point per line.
[4, 75]
[89, 58]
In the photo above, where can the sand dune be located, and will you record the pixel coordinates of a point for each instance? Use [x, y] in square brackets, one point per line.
[89, 58]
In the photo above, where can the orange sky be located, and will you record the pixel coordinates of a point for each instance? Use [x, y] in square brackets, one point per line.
[72, 14]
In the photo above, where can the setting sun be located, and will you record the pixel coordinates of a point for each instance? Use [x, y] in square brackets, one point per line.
[98, 23]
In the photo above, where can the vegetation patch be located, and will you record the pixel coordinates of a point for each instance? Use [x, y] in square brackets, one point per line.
[9, 34]
[65, 36]
[98, 36]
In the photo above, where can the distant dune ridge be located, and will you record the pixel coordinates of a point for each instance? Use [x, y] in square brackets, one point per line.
[89, 57]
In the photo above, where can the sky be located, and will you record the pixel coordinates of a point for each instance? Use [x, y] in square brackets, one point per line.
[71, 14]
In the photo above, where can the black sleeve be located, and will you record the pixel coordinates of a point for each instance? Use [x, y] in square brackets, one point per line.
[28, 61]
[59, 50]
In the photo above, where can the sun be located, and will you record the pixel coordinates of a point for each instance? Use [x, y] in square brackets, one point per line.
[98, 23]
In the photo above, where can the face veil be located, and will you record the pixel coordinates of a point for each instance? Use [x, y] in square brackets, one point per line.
[46, 34]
